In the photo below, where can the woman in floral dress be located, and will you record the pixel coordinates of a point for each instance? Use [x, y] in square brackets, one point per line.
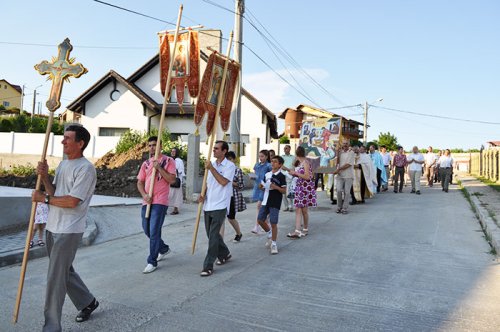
[305, 193]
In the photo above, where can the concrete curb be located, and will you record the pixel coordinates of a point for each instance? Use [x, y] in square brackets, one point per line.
[16, 256]
[487, 223]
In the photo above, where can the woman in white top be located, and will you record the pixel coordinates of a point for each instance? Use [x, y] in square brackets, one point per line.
[445, 169]
[175, 196]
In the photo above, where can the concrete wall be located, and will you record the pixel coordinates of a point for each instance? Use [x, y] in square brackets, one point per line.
[32, 144]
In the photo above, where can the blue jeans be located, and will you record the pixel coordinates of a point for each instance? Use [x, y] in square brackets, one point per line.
[152, 228]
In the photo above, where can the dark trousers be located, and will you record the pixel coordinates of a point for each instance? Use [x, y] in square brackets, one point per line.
[332, 198]
[399, 176]
[216, 246]
[362, 189]
[62, 279]
[445, 174]
[379, 179]
[316, 180]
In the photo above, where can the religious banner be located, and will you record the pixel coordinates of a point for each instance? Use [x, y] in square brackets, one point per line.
[210, 86]
[186, 64]
[320, 139]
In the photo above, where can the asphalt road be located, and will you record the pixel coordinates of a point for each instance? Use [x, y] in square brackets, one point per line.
[400, 262]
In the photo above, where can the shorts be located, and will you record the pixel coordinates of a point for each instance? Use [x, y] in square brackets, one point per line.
[232, 210]
[271, 211]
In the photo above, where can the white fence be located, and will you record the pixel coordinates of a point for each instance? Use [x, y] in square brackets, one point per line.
[27, 143]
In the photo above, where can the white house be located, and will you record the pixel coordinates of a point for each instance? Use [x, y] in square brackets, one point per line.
[115, 104]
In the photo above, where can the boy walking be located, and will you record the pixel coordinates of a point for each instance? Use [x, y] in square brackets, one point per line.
[275, 187]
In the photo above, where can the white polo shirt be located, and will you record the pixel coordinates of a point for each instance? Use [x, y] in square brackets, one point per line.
[218, 197]
[430, 157]
[445, 161]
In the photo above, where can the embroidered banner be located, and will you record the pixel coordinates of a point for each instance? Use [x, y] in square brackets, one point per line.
[210, 88]
[186, 65]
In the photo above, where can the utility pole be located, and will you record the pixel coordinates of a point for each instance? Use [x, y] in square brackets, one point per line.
[235, 133]
[365, 125]
[22, 100]
[34, 103]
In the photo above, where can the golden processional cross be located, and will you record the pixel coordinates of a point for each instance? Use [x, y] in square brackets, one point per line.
[59, 70]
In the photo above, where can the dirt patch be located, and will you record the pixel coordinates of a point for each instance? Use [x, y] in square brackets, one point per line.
[116, 173]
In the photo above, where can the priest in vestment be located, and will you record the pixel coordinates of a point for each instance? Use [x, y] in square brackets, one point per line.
[365, 180]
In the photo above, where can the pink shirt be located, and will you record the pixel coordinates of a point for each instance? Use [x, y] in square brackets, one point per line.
[161, 186]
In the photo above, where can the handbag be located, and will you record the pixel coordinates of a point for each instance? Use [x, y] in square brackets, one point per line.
[177, 183]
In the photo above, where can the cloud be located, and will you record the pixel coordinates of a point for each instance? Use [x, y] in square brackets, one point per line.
[276, 94]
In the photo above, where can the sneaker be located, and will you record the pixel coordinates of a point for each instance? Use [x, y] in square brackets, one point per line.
[418, 192]
[149, 268]
[222, 261]
[237, 238]
[274, 249]
[162, 256]
[255, 230]
[412, 191]
[268, 243]
[87, 311]
[206, 272]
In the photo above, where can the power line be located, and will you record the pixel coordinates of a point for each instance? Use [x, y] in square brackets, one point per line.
[435, 116]
[134, 12]
[82, 46]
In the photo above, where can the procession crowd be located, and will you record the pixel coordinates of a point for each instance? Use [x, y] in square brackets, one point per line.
[286, 182]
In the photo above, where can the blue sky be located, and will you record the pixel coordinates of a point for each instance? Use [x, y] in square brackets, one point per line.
[433, 57]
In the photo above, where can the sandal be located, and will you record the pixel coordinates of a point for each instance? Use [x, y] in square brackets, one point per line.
[222, 261]
[31, 244]
[295, 235]
[41, 243]
[206, 272]
[339, 211]
[305, 231]
[344, 211]
[174, 213]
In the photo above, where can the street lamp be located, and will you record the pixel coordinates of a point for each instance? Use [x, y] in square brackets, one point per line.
[365, 124]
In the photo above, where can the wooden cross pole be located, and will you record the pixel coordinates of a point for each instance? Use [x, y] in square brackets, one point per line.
[163, 110]
[59, 70]
[212, 139]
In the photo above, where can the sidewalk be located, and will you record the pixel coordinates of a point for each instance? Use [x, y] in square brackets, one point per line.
[400, 262]
[12, 244]
[486, 202]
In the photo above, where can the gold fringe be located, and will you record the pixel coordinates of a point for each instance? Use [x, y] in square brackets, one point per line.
[197, 132]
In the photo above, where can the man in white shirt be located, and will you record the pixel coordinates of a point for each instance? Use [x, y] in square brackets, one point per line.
[415, 162]
[345, 177]
[386, 158]
[445, 167]
[216, 207]
[430, 166]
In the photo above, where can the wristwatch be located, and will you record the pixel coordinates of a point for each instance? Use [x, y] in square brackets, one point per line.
[47, 198]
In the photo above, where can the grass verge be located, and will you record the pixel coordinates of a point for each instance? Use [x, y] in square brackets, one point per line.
[486, 236]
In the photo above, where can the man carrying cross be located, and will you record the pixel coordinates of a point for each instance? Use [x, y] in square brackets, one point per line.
[68, 198]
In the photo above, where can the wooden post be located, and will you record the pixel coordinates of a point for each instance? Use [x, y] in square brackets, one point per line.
[163, 110]
[32, 219]
[212, 140]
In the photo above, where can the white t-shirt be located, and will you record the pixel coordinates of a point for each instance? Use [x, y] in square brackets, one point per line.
[416, 157]
[386, 158]
[445, 161]
[430, 157]
[76, 178]
[219, 197]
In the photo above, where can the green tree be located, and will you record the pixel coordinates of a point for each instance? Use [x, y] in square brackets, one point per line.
[389, 140]
[284, 139]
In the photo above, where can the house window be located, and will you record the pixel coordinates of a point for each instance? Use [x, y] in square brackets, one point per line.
[6, 104]
[5, 87]
[108, 131]
[176, 136]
